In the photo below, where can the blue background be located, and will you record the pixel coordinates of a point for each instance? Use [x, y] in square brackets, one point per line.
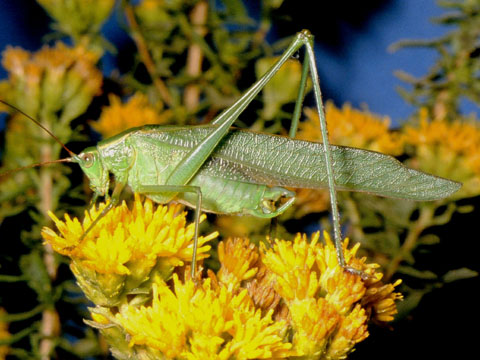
[357, 69]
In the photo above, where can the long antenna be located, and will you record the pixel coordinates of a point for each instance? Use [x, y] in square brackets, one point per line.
[72, 154]
[34, 165]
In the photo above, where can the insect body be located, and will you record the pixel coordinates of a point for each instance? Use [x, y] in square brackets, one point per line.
[245, 172]
[218, 169]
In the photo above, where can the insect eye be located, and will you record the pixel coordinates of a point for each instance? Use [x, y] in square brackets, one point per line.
[88, 160]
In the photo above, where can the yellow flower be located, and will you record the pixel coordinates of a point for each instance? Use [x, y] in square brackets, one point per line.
[351, 127]
[448, 149]
[202, 322]
[58, 79]
[292, 263]
[256, 337]
[379, 300]
[126, 245]
[136, 112]
[328, 306]
[261, 289]
[160, 325]
[236, 257]
[99, 318]
[314, 322]
[352, 330]
[289, 301]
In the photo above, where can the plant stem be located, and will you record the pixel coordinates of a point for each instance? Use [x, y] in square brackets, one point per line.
[145, 55]
[46, 190]
[50, 324]
[354, 218]
[198, 17]
[423, 221]
[49, 329]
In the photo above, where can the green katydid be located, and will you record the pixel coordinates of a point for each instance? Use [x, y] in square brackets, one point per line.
[215, 168]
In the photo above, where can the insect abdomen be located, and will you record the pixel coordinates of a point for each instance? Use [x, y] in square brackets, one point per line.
[223, 196]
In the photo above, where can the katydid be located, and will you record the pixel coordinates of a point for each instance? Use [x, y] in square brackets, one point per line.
[214, 168]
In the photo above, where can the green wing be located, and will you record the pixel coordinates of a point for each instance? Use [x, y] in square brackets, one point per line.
[281, 161]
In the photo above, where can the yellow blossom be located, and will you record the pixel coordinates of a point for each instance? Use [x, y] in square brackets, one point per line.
[256, 337]
[126, 245]
[379, 300]
[202, 322]
[352, 330]
[124, 234]
[289, 301]
[328, 306]
[292, 263]
[313, 322]
[55, 80]
[118, 117]
[236, 258]
[100, 319]
[351, 127]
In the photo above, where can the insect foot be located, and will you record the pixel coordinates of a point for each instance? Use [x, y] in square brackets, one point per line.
[363, 275]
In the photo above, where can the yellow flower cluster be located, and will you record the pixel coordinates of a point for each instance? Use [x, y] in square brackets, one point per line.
[126, 247]
[136, 112]
[289, 301]
[203, 322]
[328, 306]
[448, 149]
[257, 298]
[58, 79]
[351, 127]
